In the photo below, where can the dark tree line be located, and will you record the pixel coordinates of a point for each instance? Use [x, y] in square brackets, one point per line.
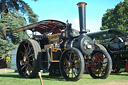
[116, 17]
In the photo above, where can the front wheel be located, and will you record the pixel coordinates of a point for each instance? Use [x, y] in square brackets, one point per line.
[102, 64]
[72, 64]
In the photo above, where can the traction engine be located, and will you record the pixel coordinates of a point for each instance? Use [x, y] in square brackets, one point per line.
[60, 50]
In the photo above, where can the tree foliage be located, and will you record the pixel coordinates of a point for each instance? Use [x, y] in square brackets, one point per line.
[116, 17]
[11, 21]
[20, 6]
[13, 15]
[6, 46]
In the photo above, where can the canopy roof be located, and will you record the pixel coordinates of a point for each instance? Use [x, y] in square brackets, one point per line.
[45, 26]
[106, 34]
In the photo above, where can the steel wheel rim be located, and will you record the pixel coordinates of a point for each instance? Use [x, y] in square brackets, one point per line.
[71, 64]
[25, 59]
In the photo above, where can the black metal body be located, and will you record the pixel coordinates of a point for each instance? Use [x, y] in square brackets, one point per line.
[69, 38]
[118, 49]
[77, 42]
[115, 42]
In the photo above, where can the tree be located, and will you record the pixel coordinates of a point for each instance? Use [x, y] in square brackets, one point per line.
[5, 47]
[20, 6]
[12, 21]
[13, 15]
[117, 17]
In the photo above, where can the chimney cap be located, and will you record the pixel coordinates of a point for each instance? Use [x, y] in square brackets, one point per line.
[81, 4]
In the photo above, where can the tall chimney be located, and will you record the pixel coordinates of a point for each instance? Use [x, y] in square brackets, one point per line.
[82, 17]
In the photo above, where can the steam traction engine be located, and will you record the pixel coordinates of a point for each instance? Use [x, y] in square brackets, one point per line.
[115, 41]
[61, 50]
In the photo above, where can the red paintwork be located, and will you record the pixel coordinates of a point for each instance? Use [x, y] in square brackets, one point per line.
[50, 27]
[127, 65]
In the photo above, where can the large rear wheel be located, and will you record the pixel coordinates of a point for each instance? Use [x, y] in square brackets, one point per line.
[27, 58]
[72, 64]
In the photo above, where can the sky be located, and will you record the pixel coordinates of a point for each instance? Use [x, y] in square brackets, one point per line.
[64, 10]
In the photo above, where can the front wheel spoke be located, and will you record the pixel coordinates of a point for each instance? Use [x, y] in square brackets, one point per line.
[104, 58]
[30, 60]
[24, 66]
[29, 68]
[102, 73]
[99, 71]
[70, 57]
[94, 70]
[67, 72]
[94, 59]
[22, 53]
[103, 66]
[76, 65]
[26, 72]
[74, 58]
[75, 71]
[66, 61]
[31, 55]
[104, 62]
[66, 66]
[96, 56]
[30, 51]
[100, 55]
[21, 62]
[25, 49]
[98, 74]
[72, 72]
[28, 47]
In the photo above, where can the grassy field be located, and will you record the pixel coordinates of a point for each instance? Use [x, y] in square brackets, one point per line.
[15, 79]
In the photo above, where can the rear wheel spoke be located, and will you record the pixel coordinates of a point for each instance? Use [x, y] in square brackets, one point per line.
[27, 58]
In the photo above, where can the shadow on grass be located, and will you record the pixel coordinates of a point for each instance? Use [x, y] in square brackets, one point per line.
[47, 77]
[10, 75]
[120, 74]
[44, 77]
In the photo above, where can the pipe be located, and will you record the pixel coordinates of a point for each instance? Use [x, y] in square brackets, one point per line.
[82, 17]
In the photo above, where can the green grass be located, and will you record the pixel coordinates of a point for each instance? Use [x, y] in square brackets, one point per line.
[15, 79]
